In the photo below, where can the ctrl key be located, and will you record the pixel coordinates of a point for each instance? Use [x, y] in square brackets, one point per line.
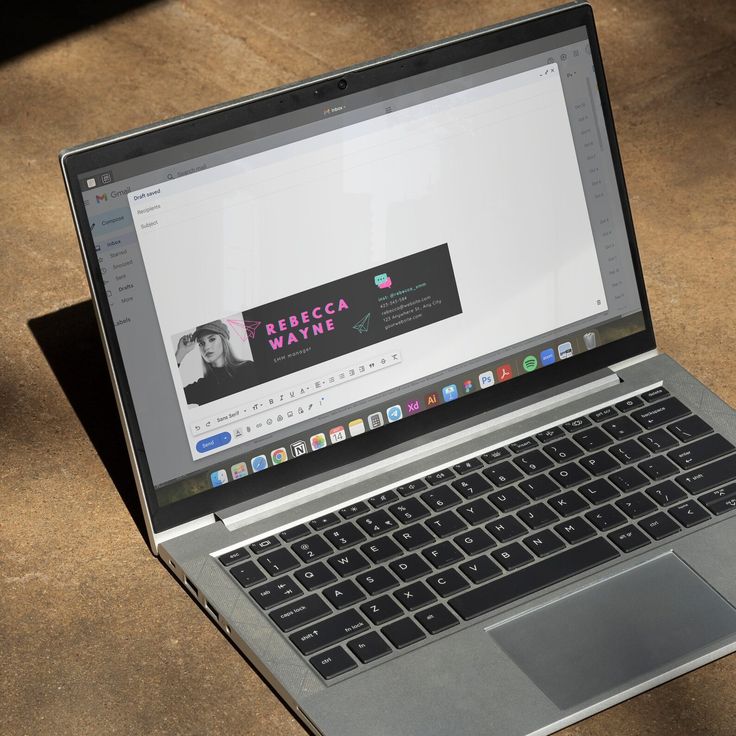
[333, 662]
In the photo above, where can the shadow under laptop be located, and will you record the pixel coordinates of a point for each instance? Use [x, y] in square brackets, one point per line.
[83, 376]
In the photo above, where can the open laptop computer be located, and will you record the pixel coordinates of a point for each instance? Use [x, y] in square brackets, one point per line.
[413, 286]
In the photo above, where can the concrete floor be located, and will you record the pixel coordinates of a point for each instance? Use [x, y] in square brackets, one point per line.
[95, 635]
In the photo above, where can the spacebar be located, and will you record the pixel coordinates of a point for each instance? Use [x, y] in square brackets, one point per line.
[546, 572]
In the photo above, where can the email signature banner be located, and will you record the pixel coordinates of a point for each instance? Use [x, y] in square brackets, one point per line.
[351, 313]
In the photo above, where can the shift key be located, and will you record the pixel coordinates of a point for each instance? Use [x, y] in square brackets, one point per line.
[329, 632]
[709, 476]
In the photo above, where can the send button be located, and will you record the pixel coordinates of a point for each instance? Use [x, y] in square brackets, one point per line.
[211, 443]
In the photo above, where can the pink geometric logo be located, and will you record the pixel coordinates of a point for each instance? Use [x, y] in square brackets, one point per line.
[243, 328]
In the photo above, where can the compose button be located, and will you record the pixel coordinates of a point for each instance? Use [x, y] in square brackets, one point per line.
[210, 443]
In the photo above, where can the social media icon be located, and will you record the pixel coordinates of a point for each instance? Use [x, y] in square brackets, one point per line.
[564, 350]
[258, 463]
[356, 427]
[279, 456]
[413, 406]
[337, 434]
[449, 393]
[382, 281]
[393, 413]
[467, 386]
[504, 372]
[218, 478]
[298, 448]
[486, 379]
[548, 356]
[239, 470]
[432, 399]
[375, 420]
[318, 441]
[530, 363]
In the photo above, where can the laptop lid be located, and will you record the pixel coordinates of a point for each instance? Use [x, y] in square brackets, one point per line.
[294, 282]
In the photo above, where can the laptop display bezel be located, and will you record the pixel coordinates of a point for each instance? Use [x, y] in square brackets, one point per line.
[259, 107]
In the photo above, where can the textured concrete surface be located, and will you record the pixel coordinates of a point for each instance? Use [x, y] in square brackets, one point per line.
[95, 636]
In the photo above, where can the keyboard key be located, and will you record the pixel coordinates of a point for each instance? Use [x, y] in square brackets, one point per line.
[315, 576]
[659, 526]
[247, 574]
[477, 511]
[709, 476]
[689, 428]
[474, 541]
[439, 476]
[442, 497]
[437, 618]
[569, 475]
[602, 414]
[628, 479]
[275, 592]
[348, 562]
[621, 428]
[506, 529]
[689, 513]
[381, 550]
[656, 415]
[299, 613]
[605, 517]
[658, 467]
[657, 440]
[701, 451]
[446, 524]
[402, 633]
[508, 499]
[544, 543]
[381, 610]
[599, 463]
[575, 530]
[279, 561]
[410, 567]
[592, 439]
[535, 517]
[412, 487]
[550, 434]
[576, 424]
[312, 548]
[328, 632]
[295, 532]
[333, 663]
[512, 556]
[447, 583]
[233, 556]
[414, 596]
[563, 450]
[471, 485]
[521, 445]
[382, 499]
[480, 569]
[720, 501]
[502, 474]
[344, 594]
[666, 493]
[359, 507]
[655, 394]
[324, 521]
[628, 452]
[442, 554]
[369, 647]
[598, 491]
[539, 487]
[568, 504]
[628, 404]
[413, 537]
[377, 523]
[345, 535]
[533, 462]
[408, 510]
[636, 505]
[549, 571]
[263, 545]
[376, 581]
[494, 456]
[467, 466]
[629, 538]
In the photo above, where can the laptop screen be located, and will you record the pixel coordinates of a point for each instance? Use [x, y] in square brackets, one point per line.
[287, 285]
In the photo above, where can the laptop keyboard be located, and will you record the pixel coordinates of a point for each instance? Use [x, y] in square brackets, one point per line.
[379, 575]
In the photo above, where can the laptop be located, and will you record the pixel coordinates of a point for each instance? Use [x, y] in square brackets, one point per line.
[382, 352]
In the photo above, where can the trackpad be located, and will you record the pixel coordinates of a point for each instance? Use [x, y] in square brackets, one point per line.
[619, 632]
